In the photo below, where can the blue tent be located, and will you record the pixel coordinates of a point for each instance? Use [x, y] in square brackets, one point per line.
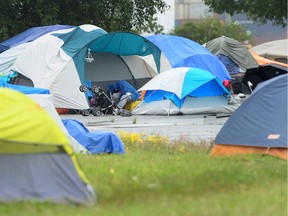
[259, 125]
[24, 89]
[30, 35]
[178, 83]
[182, 52]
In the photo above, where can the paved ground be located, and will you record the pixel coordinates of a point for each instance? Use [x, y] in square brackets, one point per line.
[191, 127]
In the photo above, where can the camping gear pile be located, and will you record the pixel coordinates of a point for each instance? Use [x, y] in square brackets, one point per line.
[175, 76]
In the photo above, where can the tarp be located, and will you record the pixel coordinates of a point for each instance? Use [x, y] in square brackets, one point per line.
[182, 52]
[37, 162]
[234, 50]
[30, 35]
[23, 89]
[274, 50]
[261, 120]
[123, 87]
[96, 142]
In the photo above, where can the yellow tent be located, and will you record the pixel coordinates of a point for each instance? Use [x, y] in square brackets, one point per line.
[38, 155]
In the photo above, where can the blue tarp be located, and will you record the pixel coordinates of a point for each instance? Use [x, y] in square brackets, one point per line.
[24, 89]
[96, 142]
[182, 52]
[30, 35]
[231, 66]
[123, 87]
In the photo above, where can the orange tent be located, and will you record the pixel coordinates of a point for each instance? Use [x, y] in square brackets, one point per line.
[263, 61]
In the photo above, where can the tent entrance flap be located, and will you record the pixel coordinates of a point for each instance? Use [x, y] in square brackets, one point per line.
[108, 67]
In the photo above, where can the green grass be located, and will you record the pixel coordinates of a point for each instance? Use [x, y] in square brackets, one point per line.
[157, 178]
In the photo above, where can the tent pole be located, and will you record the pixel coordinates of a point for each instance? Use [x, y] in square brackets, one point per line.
[142, 101]
[169, 108]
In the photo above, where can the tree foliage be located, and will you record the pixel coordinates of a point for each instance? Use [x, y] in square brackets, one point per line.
[111, 15]
[210, 28]
[258, 10]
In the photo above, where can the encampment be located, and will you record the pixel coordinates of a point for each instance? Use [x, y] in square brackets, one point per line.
[182, 52]
[184, 90]
[259, 125]
[37, 162]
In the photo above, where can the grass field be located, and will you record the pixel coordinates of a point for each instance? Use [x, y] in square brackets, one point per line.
[156, 177]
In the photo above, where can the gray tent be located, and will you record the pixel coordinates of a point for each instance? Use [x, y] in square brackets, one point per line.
[274, 50]
[259, 125]
[228, 49]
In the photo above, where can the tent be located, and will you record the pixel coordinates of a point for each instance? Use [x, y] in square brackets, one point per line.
[36, 160]
[23, 89]
[264, 61]
[46, 102]
[182, 52]
[9, 56]
[259, 125]
[234, 55]
[50, 59]
[184, 90]
[30, 35]
[274, 50]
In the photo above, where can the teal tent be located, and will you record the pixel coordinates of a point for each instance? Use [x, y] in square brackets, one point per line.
[86, 53]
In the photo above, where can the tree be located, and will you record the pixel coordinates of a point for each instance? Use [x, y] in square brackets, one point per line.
[258, 10]
[210, 28]
[111, 15]
[152, 27]
[20, 15]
